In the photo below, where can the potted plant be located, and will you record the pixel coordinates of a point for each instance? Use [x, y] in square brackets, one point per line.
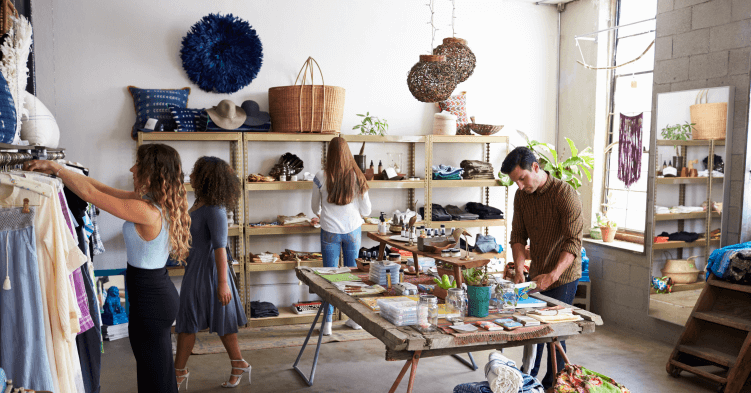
[608, 227]
[678, 132]
[370, 125]
[442, 285]
[569, 170]
[478, 291]
[444, 269]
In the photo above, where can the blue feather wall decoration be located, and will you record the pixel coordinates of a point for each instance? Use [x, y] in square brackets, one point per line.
[221, 53]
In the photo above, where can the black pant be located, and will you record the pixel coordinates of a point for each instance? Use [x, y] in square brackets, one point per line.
[153, 308]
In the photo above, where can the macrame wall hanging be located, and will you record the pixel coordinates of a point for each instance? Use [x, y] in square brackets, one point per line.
[458, 55]
[432, 79]
[630, 149]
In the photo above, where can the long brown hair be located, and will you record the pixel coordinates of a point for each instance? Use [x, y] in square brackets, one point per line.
[215, 183]
[160, 175]
[344, 180]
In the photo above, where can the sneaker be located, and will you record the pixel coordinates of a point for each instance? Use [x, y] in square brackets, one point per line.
[327, 329]
[353, 324]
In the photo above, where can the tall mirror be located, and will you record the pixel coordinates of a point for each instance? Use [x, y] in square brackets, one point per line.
[688, 188]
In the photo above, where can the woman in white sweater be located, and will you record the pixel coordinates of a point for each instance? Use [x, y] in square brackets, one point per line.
[340, 200]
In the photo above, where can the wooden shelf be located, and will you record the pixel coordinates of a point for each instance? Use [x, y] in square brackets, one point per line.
[179, 271]
[190, 136]
[396, 184]
[286, 317]
[385, 138]
[728, 285]
[267, 267]
[686, 180]
[234, 230]
[279, 185]
[466, 183]
[664, 142]
[725, 319]
[468, 224]
[279, 137]
[684, 216]
[294, 230]
[470, 139]
[708, 353]
[672, 245]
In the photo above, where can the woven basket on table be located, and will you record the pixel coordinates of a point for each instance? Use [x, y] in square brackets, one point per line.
[306, 108]
[710, 119]
[484, 129]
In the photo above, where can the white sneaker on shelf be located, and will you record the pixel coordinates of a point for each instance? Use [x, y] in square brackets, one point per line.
[327, 329]
[353, 324]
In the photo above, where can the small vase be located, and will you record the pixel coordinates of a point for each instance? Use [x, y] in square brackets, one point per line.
[678, 163]
[608, 234]
[479, 301]
[360, 160]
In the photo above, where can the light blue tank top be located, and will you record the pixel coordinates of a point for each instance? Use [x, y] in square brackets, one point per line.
[147, 254]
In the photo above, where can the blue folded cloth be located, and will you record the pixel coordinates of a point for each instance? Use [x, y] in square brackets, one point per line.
[447, 170]
[719, 260]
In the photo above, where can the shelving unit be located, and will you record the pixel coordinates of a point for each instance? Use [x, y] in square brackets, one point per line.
[235, 231]
[410, 186]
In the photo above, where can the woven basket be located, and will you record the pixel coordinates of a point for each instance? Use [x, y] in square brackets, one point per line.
[710, 119]
[306, 108]
[484, 129]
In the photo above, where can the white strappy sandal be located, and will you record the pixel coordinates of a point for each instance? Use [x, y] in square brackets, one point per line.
[184, 377]
[240, 376]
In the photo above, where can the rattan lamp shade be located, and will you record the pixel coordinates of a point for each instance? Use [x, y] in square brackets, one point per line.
[432, 79]
[459, 56]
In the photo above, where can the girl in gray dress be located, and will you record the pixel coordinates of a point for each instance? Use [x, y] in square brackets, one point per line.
[208, 296]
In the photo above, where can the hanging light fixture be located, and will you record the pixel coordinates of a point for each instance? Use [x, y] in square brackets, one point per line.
[458, 55]
[432, 79]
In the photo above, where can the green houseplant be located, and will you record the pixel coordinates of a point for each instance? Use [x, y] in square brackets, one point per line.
[569, 170]
[370, 125]
[478, 291]
[608, 227]
[678, 132]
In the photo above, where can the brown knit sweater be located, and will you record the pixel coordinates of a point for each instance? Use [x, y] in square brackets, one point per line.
[551, 218]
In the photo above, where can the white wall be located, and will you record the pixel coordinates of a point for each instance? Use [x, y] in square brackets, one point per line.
[89, 51]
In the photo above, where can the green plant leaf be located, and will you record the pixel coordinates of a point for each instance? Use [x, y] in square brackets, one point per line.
[574, 150]
[586, 172]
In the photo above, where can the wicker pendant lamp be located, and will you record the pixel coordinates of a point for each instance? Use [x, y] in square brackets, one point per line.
[432, 79]
[458, 56]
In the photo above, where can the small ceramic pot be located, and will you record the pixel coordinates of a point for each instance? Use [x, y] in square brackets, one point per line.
[608, 234]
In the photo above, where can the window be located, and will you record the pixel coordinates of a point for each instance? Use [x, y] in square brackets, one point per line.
[631, 94]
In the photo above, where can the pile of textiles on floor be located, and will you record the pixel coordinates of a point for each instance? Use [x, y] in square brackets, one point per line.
[731, 263]
[477, 169]
[502, 377]
[447, 172]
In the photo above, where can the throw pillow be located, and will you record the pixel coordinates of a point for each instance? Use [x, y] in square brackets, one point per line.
[7, 113]
[457, 105]
[154, 103]
[188, 119]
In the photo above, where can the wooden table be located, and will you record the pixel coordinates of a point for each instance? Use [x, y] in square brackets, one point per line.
[458, 263]
[405, 343]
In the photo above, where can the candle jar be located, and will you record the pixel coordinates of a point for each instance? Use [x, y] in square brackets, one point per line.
[456, 306]
[427, 313]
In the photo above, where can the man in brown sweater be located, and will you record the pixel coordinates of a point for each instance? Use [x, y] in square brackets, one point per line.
[548, 213]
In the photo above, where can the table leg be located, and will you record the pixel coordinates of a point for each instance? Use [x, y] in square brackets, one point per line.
[411, 362]
[553, 360]
[309, 380]
[381, 252]
[458, 276]
[471, 363]
[417, 264]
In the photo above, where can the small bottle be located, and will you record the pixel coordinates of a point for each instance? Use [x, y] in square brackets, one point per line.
[283, 176]
[664, 165]
[443, 230]
[371, 165]
[452, 232]
[380, 167]
[404, 230]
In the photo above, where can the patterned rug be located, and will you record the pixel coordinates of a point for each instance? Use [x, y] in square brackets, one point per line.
[275, 337]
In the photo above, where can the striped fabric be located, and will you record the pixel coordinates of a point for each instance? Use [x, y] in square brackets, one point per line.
[551, 218]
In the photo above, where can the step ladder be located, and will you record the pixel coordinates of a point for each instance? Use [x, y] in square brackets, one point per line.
[718, 333]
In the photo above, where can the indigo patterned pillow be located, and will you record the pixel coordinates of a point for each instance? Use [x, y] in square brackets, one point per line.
[188, 119]
[7, 113]
[154, 103]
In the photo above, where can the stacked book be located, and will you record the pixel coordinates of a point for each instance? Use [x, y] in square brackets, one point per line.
[114, 332]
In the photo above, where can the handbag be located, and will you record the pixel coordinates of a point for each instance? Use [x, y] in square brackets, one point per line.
[710, 119]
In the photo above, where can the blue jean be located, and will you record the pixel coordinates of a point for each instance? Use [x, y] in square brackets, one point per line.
[564, 293]
[332, 245]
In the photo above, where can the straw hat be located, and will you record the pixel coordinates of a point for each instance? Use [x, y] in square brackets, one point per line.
[227, 115]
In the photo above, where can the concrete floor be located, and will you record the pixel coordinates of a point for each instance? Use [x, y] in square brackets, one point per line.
[359, 366]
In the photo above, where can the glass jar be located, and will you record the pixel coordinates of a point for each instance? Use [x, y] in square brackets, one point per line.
[456, 306]
[427, 313]
[508, 298]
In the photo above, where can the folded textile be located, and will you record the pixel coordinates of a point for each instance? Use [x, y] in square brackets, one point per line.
[485, 212]
[446, 170]
[502, 375]
[292, 220]
[705, 173]
[438, 213]
[474, 169]
[485, 243]
[662, 210]
[259, 309]
[686, 209]
[575, 378]
[739, 270]
[661, 239]
[531, 385]
[459, 214]
[263, 224]
[438, 176]
[717, 264]
[681, 236]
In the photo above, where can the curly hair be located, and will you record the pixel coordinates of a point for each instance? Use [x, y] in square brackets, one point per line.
[160, 175]
[344, 180]
[215, 182]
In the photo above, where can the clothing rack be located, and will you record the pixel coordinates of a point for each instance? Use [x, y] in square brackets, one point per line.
[12, 156]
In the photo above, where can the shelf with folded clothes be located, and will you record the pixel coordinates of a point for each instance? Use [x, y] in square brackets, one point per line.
[281, 265]
[293, 229]
[678, 244]
[685, 180]
[468, 223]
[684, 216]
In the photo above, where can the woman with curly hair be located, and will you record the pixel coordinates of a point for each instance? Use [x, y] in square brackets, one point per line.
[157, 226]
[340, 200]
[208, 296]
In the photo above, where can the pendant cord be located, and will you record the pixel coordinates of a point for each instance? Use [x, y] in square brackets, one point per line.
[453, 18]
[432, 25]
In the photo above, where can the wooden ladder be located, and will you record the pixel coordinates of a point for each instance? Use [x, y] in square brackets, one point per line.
[718, 333]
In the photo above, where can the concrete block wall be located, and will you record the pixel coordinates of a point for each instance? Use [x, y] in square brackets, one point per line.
[707, 43]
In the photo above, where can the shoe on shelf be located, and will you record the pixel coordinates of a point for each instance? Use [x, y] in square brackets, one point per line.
[238, 376]
[327, 328]
[182, 377]
[353, 324]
